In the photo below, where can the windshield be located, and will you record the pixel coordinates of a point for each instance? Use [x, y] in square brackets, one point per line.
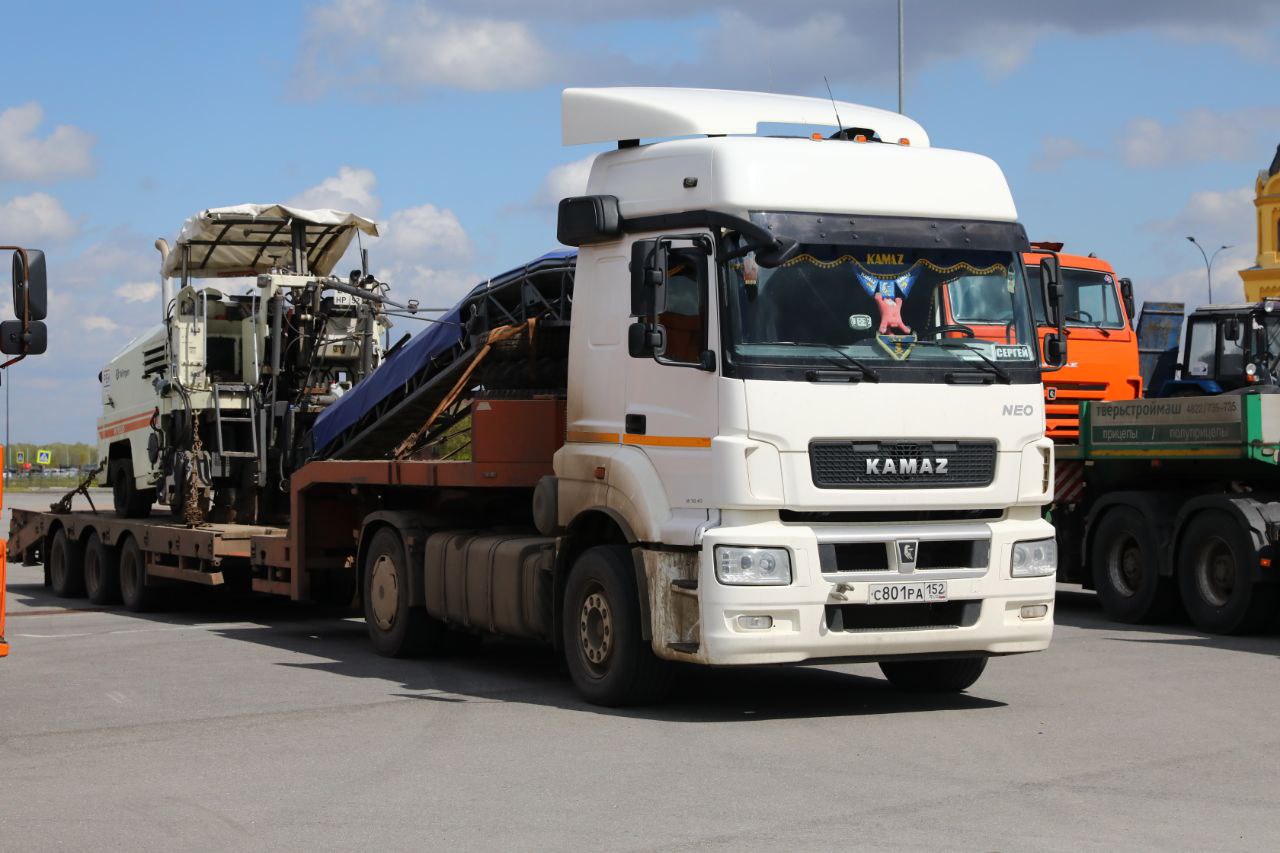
[883, 309]
[1089, 298]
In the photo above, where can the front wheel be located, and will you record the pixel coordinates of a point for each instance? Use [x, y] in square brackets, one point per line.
[947, 675]
[396, 628]
[129, 500]
[1125, 559]
[610, 662]
[1215, 573]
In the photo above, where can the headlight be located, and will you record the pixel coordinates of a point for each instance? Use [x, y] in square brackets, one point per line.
[1035, 559]
[766, 566]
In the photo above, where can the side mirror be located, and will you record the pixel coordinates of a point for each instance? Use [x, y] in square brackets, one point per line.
[30, 287]
[645, 340]
[586, 219]
[1126, 293]
[1231, 329]
[1051, 285]
[1055, 351]
[648, 277]
[14, 340]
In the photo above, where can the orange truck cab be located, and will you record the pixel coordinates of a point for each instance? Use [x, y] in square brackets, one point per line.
[1102, 345]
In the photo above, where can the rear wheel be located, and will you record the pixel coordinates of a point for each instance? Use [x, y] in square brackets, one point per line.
[66, 566]
[948, 675]
[134, 592]
[1126, 559]
[101, 571]
[396, 628]
[1216, 574]
[129, 500]
[609, 660]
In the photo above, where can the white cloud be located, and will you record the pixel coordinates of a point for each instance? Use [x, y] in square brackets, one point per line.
[1197, 136]
[25, 157]
[35, 218]
[98, 323]
[372, 43]
[1215, 218]
[567, 179]
[138, 291]
[424, 234]
[352, 189]
[1056, 150]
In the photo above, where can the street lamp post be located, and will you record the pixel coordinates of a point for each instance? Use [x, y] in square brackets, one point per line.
[1208, 263]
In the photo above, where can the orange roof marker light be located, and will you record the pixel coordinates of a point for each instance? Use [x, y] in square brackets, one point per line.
[904, 141]
[859, 138]
[816, 137]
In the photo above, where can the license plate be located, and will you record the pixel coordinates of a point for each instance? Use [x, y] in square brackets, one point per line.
[906, 593]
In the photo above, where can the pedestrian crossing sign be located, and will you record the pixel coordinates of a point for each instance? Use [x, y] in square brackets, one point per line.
[44, 457]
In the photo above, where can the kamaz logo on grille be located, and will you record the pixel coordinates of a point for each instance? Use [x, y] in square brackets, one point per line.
[907, 466]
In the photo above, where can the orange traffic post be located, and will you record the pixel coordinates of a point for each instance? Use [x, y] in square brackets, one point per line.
[4, 558]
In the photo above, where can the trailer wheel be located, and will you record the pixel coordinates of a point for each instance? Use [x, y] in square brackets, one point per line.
[610, 662]
[946, 675]
[66, 566]
[1126, 573]
[396, 628]
[129, 500]
[101, 571]
[1215, 572]
[134, 592]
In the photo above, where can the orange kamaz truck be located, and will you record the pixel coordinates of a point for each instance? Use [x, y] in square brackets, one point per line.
[1102, 339]
[1099, 315]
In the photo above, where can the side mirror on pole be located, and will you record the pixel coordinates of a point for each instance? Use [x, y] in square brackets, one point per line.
[1126, 293]
[27, 334]
[1055, 344]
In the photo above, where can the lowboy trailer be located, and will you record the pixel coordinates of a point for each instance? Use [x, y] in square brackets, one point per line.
[1175, 501]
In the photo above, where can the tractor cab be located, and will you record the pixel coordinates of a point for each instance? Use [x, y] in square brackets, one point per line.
[1228, 348]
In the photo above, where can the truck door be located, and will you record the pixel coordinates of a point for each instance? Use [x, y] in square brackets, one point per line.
[671, 407]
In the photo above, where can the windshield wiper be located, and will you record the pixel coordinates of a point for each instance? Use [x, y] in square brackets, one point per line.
[1083, 322]
[870, 373]
[987, 364]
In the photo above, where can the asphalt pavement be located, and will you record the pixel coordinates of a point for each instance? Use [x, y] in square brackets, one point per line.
[253, 724]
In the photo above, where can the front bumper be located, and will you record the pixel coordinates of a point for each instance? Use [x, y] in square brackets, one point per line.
[699, 622]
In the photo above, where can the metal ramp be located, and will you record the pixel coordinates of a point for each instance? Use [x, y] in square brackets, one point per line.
[392, 403]
[245, 418]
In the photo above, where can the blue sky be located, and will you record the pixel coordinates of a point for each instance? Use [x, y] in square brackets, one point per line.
[1122, 127]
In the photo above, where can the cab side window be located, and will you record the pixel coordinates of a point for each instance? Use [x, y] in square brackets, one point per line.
[685, 317]
[1200, 347]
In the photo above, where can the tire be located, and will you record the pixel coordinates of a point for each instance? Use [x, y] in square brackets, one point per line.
[129, 500]
[134, 592]
[609, 660]
[946, 675]
[1215, 574]
[1125, 558]
[101, 571]
[396, 629]
[66, 566]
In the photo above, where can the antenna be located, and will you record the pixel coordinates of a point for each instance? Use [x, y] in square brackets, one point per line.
[834, 109]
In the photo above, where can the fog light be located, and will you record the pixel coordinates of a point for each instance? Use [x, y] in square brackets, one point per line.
[1034, 611]
[755, 623]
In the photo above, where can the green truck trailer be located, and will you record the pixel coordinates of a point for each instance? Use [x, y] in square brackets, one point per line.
[1174, 501]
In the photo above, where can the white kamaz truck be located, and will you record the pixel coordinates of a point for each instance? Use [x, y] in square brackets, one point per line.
[202, 411]
[734, 427]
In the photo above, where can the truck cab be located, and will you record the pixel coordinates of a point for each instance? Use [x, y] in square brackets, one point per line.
[1228, 348]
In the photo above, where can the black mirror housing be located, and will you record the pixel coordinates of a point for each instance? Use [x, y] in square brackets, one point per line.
[1231, 328]
[586, 219]
[30, 286]
[1126, 293]
[648, 275]
[1055, 351]
[1051, 285]
[645, 340]
[14, 341]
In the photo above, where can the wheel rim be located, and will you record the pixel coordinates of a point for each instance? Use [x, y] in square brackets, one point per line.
[384, 592]
[595, 630]
[1124, 566]
[1215, 572]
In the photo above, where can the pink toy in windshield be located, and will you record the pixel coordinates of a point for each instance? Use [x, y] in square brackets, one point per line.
[891, 315]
